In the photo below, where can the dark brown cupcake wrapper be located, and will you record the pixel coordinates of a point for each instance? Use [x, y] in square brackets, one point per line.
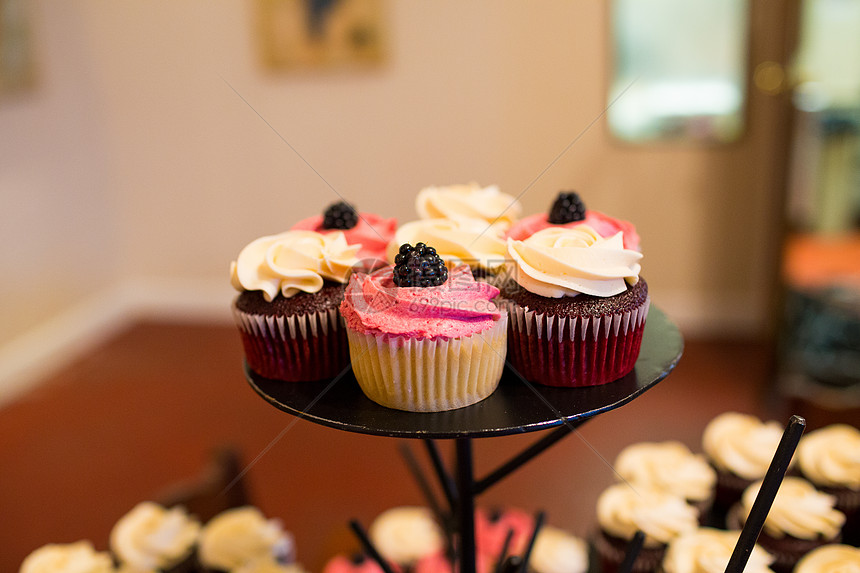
[576, 351]
[297, 348]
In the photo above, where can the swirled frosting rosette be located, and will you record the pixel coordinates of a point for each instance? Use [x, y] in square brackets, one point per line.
[470, 202]
[78, 557]
[242, 536]
[406, 534]
[290, 287]
[425, 348]
[152, 537]
[708, 550]
[834, 558]
[578, 307]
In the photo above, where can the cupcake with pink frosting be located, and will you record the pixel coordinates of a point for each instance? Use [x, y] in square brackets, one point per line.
[568, 210]
[371, 232]
[422, 339]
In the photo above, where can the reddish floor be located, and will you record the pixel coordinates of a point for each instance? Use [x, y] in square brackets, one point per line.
[145, 411]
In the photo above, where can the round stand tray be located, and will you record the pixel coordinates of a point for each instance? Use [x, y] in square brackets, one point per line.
[515, 407]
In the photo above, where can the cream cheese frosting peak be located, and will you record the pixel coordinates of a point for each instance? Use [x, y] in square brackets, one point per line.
[457, 241]
[798, 510]
[79, 557]
[293, 262]
[623, 510]
[741, 444]
[561, 261]
[470, 201]
[153, 537]
[242, 535]
[670, 466]
[708, 550]
[406, 534]
[830, 456]
[834, 558]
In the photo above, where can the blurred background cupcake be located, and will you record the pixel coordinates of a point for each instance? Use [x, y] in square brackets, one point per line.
[291, 286]
[241, 537]
[830, 458]
[469, 201]
[404, 535]
[800, 520]
[834, 558]
[708, 550]
[153, 538]
[740, 447]
[78, 557]
[623, 509]
[672, 467]
[368, 230]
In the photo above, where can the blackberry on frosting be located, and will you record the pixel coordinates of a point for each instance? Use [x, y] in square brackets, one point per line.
[419, 266]
[567, 208]
[340, 215]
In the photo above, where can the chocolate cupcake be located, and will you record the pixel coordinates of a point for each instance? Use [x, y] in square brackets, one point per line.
[577, 307]
[291, 286]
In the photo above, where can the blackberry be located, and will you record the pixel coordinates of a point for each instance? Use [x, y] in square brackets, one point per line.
[566, 208]
[419, 266]
[340, 215]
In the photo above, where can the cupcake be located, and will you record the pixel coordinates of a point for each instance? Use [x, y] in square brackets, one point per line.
[371, 232]
[834, 558]
[457, 241]
[800, 520]
[568, 210]
[577, 307]
[269, 565]
[403, 535]
[291, 286]
[238, 537]
[830, 458]
[358, 564]
[153, 538]
[672, 467]
[422, 339]
[469, 202]
[557, 551]
[79, 557]
[708, 550]
[622, 511]
[740, 447]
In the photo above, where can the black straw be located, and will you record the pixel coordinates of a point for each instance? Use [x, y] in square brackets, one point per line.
[539, 518]
[368, 546]
[633, 549]
[766, 494]
[503, 554]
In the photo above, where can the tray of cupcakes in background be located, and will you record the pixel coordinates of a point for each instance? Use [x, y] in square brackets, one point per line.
[565, 305]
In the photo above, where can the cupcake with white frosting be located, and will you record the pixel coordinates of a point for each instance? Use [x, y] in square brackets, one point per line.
[153, 538]
[800, 520]
[834, 558]
[78, 557]
[624, 509]
[404, 535]
[241, 536]
[577, 307]
[672, 467]
[741, 448]
[830, 458]
[470, 202]
[708, 550]
[558, 551]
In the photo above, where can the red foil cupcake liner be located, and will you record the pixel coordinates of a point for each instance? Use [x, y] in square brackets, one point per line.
[574, 352]
[294, 348]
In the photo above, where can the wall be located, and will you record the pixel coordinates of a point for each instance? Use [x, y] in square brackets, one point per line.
[156, 147]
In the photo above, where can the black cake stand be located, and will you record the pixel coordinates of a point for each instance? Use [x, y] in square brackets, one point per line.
[515, 407]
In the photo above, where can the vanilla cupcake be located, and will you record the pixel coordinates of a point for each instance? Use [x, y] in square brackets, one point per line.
[672, 467]
[238, 537]
[741, 448]
[830, 458]
[708, 550]
[290, 286]
[457, 241]
[557, 551]
[623, 509]
[403, 535]
[471, 202]
[833, 558]
[153, 538]
[800, 520]
[79, 557]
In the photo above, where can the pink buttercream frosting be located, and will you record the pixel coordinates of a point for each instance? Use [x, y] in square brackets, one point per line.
[459, 307]
[605, 226]
[372, 232]
[342, 564]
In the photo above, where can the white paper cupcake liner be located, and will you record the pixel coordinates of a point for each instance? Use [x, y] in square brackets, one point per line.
[429, 375]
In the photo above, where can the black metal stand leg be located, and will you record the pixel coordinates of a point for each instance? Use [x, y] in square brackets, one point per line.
[466, 505]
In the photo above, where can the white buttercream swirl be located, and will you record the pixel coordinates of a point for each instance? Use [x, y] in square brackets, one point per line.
[557, 551]
[834, 558]
[798, 510]
[830, 456]
[242, 535]
[561, 261]
[404, 535]
[78, 557]
[623, 510]
[293, 262]
[741, 444]
[670, 466]
[153, 537]
[457, 241]
[708, 550]
[470, 201]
